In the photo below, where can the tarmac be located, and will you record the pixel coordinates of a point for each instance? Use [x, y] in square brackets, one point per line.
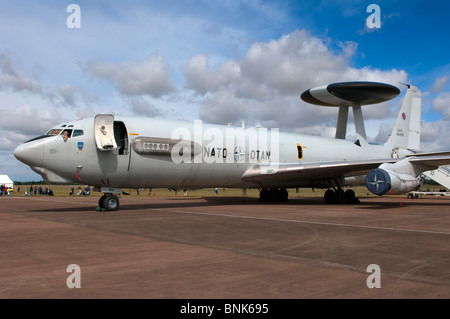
[224, 248]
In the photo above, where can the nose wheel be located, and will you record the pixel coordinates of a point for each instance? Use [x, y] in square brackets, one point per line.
[109, 202]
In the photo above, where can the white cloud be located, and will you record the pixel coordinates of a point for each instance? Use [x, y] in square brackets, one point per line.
[151, 77]
[384, 131]
[442, 104]
[28, 120]
[439, 83]
[222, 108]
[203, 80]
[11, 79]
[297, 60]
[142, 107]
[434, 136]
[72, 95]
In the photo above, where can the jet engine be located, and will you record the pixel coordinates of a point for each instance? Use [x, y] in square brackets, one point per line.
[397, 178]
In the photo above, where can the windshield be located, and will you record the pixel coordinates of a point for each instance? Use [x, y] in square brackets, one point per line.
[54, 131]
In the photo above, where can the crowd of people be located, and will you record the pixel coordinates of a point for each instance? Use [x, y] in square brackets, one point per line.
[4, 190]
[81, 192]
[34, 190]
[37, 190]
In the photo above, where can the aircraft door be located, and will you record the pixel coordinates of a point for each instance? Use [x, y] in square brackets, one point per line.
[121, 138]
[122, 150]
[112, 141]
[104, 132]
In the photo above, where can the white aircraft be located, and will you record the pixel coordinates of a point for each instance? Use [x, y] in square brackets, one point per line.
[111, 152]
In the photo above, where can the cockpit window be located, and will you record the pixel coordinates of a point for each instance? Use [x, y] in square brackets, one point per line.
[66, 134]
[54, 131]
[77, 133]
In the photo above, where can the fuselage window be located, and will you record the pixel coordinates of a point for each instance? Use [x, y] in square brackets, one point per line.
[77, 133]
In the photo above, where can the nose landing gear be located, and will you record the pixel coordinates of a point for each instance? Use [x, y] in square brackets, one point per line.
[108, 202]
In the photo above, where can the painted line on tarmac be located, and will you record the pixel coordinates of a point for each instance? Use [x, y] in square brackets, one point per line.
[46, 199]
[308, 222]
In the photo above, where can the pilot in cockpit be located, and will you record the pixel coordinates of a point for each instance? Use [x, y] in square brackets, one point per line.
[65, 135]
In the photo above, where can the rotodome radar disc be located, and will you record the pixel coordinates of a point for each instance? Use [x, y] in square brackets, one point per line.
[350, 93]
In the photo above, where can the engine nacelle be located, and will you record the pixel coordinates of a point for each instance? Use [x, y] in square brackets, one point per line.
[380, 181]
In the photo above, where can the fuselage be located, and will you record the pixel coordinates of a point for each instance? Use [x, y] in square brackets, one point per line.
[218, 157]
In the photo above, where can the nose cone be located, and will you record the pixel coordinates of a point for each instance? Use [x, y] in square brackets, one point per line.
[31, 153]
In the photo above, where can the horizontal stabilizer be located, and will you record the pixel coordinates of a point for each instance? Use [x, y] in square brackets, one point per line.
[432, 154]
[440, 176]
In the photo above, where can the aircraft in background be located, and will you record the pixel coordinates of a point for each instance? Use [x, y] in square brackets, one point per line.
[111, 153]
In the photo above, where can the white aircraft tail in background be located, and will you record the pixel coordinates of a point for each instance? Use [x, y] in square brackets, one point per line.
[406, 132]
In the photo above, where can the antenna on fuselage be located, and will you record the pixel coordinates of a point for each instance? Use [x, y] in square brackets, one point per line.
[350, 94]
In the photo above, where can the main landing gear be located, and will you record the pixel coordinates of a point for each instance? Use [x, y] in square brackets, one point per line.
[273, 194]
[331, 196]
[340, 197]
[108, 202]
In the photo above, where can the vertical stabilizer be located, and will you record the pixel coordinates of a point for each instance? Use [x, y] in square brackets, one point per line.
[406, 132]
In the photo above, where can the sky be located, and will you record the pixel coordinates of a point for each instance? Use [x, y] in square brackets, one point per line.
[220, 61]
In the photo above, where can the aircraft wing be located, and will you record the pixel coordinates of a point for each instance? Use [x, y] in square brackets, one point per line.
[430, 162]
[330, 170]
[311, 171]
[429, 154]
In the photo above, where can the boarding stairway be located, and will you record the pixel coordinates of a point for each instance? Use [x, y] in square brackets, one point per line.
[440, 175]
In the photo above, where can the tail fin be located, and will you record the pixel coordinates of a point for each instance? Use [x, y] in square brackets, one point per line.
[406, 132]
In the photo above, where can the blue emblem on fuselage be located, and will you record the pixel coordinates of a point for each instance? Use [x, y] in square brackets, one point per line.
[80, 146]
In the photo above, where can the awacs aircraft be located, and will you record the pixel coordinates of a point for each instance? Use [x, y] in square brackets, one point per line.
[112, 152]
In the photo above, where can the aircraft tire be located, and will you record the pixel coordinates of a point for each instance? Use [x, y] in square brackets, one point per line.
[329, 196]
[283, 194]
[349, 196]
[101, 202]
[264, 194]
[273, 194]
[111, 202]
[339, 196]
